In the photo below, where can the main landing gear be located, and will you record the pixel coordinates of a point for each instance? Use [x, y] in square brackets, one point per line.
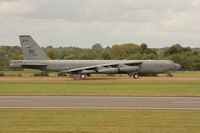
[134, 75]
[79, 76]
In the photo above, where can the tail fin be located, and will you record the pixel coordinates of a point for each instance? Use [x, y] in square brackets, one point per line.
[31, 50]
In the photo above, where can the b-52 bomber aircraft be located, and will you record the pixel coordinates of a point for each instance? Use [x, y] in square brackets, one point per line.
[36, 58]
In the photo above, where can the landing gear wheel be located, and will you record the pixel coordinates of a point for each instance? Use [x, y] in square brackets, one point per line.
[83, 76]
[88, 75]
[75, 77]
[136, 76]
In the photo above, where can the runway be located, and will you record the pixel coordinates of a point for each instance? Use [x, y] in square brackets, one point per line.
[191, 103]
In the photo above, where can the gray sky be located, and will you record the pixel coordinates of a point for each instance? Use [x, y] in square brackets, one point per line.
[82, 23]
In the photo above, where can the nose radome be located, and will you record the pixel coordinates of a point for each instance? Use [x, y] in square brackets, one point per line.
[178, 66]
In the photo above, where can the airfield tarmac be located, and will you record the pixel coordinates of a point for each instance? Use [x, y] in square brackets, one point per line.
[95, 102]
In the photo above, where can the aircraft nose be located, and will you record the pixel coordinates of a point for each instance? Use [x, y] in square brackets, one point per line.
[177, 66]
[11, 64]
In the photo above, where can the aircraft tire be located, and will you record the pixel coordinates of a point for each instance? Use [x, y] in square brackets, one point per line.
[136, 76]
[75, 77]
[83, 76]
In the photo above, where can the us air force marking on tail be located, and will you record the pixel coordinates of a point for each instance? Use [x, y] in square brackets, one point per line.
[36, 58]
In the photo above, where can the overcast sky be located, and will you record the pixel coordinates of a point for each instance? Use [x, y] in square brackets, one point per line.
[82, 23]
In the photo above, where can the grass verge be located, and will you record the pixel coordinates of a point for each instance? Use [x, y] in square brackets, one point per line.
[104, 87]
[103, 120]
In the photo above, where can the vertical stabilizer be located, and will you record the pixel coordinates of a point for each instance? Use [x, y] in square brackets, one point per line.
[31, 50]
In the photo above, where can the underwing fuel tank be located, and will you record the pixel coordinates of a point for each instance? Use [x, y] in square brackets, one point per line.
[128, 68]
[108, 70]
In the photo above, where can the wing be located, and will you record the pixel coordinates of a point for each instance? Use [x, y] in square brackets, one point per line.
[106, 67]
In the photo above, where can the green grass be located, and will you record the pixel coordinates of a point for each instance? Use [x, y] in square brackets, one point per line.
[26, 73]
[102, 87]
[102, 120]
[186, 74]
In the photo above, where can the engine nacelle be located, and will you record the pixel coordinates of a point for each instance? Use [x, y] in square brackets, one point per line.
[108, 70]
[88, 71]
[128, 68]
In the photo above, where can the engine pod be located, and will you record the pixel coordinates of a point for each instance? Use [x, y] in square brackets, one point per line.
[128, 68]
[108, 70]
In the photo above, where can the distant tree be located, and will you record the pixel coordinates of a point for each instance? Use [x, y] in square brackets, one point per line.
[52, 52]
[174, 49]
[61, 53]
[151, 51]
[49, 47]
[144, 47]
[106, 53]
[97, 47]
[124, 51]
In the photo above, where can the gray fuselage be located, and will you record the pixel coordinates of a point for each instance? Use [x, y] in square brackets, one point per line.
[147, 66]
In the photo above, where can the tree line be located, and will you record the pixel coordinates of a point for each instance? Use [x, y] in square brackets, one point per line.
[188, 57]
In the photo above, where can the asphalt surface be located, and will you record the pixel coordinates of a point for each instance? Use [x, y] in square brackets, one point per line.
[192, 103]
